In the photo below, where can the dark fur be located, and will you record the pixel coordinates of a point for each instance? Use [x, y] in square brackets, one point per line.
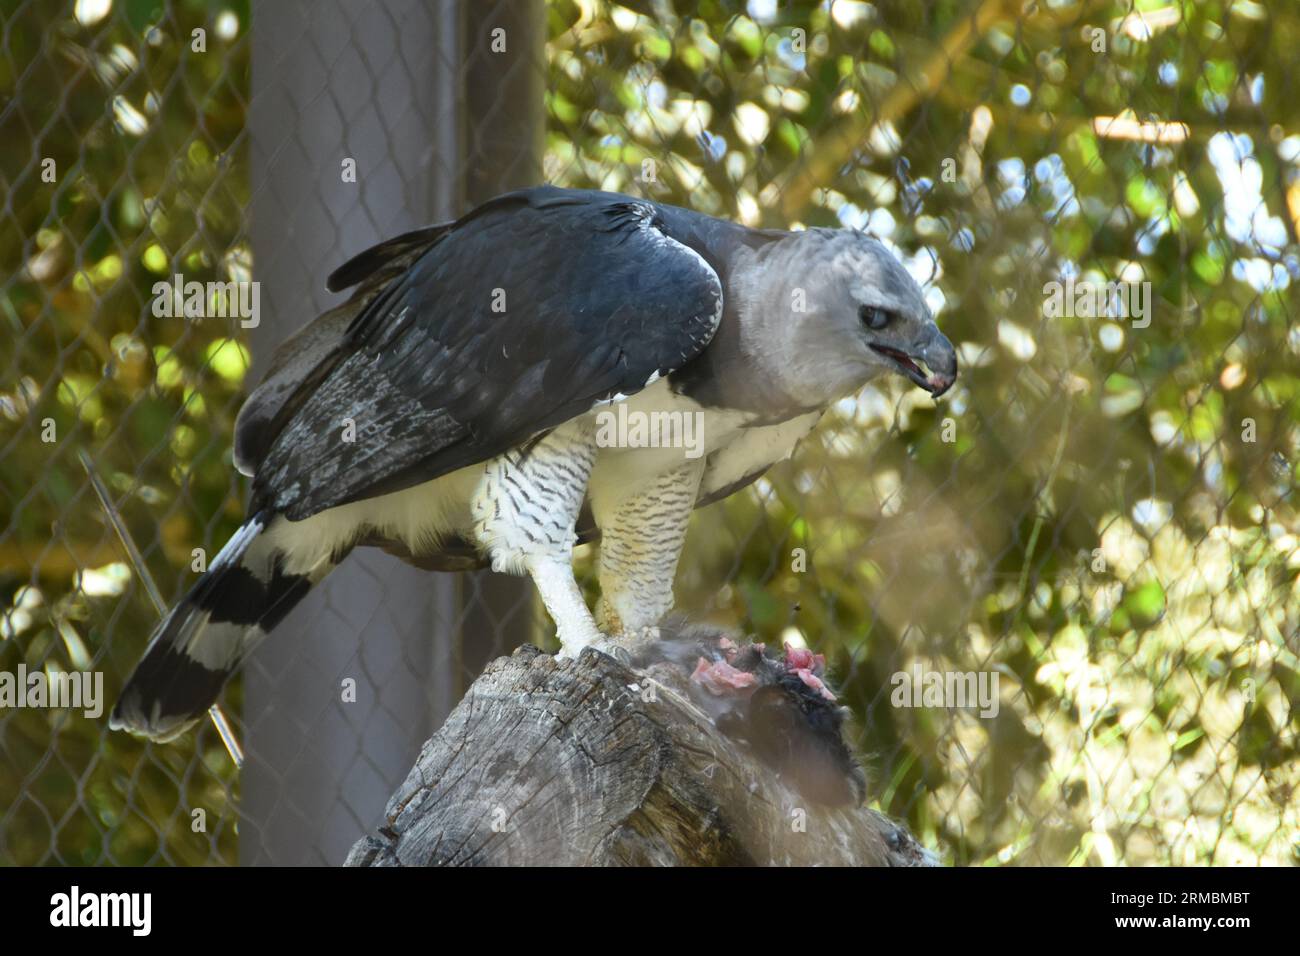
[789, 726]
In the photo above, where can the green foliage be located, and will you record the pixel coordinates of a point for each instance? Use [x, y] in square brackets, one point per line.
[150, 179]
[1097, 531]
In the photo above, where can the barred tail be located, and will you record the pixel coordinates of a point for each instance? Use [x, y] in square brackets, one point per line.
[237, 602]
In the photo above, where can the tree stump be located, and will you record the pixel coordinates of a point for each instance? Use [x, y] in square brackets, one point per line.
[589, 763]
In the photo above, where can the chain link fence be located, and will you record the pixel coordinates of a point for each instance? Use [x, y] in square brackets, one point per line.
[1095, 532]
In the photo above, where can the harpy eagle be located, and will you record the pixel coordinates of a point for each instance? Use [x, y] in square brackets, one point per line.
[450, 411]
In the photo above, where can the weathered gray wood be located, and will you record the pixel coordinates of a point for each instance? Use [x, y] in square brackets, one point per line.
[588, 762]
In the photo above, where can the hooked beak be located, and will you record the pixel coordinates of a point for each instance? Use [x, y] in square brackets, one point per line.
[930, 363]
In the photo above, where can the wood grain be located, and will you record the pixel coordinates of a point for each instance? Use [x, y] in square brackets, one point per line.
[588, 762]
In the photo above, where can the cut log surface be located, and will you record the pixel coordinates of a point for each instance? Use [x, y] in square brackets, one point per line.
[591, 763]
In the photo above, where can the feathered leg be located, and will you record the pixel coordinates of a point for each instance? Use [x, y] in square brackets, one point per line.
[524, 511]
[641, 537]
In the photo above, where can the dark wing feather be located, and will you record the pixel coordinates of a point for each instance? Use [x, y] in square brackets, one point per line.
[378, 257]
[301, 360]
[597, 300]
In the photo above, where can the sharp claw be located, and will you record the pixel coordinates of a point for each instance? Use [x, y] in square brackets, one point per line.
[616, 651]
[623, 647]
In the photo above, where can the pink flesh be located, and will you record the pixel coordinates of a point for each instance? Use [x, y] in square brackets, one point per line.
[815, 682]
[800, 658]
[721, 678]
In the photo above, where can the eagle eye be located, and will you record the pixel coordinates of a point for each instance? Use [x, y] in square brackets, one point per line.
[874, 318]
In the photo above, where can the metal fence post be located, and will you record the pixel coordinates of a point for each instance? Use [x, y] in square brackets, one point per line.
[376, 85]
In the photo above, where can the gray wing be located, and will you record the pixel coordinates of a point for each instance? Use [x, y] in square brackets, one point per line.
[317, 345]
[597, 297]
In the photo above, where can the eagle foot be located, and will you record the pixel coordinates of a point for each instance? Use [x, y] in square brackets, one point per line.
[635, 640]
[626, 647]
